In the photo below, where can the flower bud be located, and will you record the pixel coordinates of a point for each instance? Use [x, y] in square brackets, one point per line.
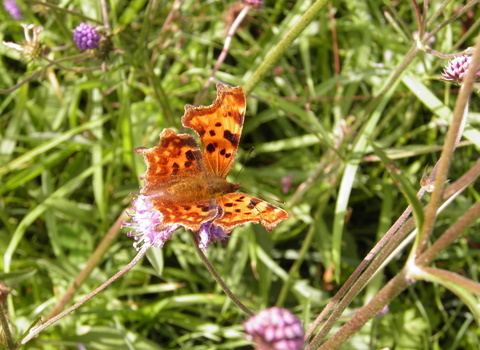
[275, 329]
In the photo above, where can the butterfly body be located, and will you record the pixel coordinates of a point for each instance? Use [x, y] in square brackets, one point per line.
[191, 190]
[188, 186]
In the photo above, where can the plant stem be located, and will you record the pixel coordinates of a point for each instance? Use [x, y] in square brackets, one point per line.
[91, 264]
[283, 45]
[6, 330]
[217, 276]
[105, 13]
[393, 288]
[346, 295]
[64, 10]
[449, 236]
[399, 282]
[16, 86]
[37, 330]
[453, 136]
[226, 46]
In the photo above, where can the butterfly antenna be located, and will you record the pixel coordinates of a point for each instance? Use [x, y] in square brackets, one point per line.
[263, 196]
[245, 162]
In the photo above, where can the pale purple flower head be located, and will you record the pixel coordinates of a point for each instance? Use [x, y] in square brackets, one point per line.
[147, 226]
[275, 329]
[456, 69]
[86, 37]
[12, 8]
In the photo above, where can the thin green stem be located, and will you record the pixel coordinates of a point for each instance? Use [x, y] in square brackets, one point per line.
[302, 254]
[63, 10]
[106, 243]
[37, 330]
[283, 45]
[162, 99]
[16, 86]
[6, 330]
[451, 19]
[432, 274]
[37, 72]
[217, 276]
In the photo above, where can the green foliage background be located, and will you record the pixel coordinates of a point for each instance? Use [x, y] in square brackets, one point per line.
[67, 169]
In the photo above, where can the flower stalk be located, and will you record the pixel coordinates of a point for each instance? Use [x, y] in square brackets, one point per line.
[217, 277]
[36, 330]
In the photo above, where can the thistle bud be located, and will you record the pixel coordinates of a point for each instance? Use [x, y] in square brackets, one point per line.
[275, 329]
[456, 69]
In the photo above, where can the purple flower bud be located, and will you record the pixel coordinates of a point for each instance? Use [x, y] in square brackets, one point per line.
[457, 69]
[12, 8]
[275, 329]
[86, 37]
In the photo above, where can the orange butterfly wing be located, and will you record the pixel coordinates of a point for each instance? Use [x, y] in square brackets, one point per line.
[240, 208]
[219, 127]
[173, 181]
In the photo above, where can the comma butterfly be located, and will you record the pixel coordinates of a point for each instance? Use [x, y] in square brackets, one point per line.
[188, 186]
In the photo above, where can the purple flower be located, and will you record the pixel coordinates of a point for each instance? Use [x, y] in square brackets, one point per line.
[210, 233]
[147, 224]
[275, 329]
[457, 69]
[148, 227]
[12, 8]
[86, 37]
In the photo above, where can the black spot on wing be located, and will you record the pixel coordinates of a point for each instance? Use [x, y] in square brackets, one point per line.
[253, 203]
[210, 148]
[190, 155]
[233, 139]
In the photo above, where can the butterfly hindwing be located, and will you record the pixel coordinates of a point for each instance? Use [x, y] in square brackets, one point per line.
[240, 208]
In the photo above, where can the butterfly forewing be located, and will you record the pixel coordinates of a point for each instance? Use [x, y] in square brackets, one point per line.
[176, 156]
[219, 127]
